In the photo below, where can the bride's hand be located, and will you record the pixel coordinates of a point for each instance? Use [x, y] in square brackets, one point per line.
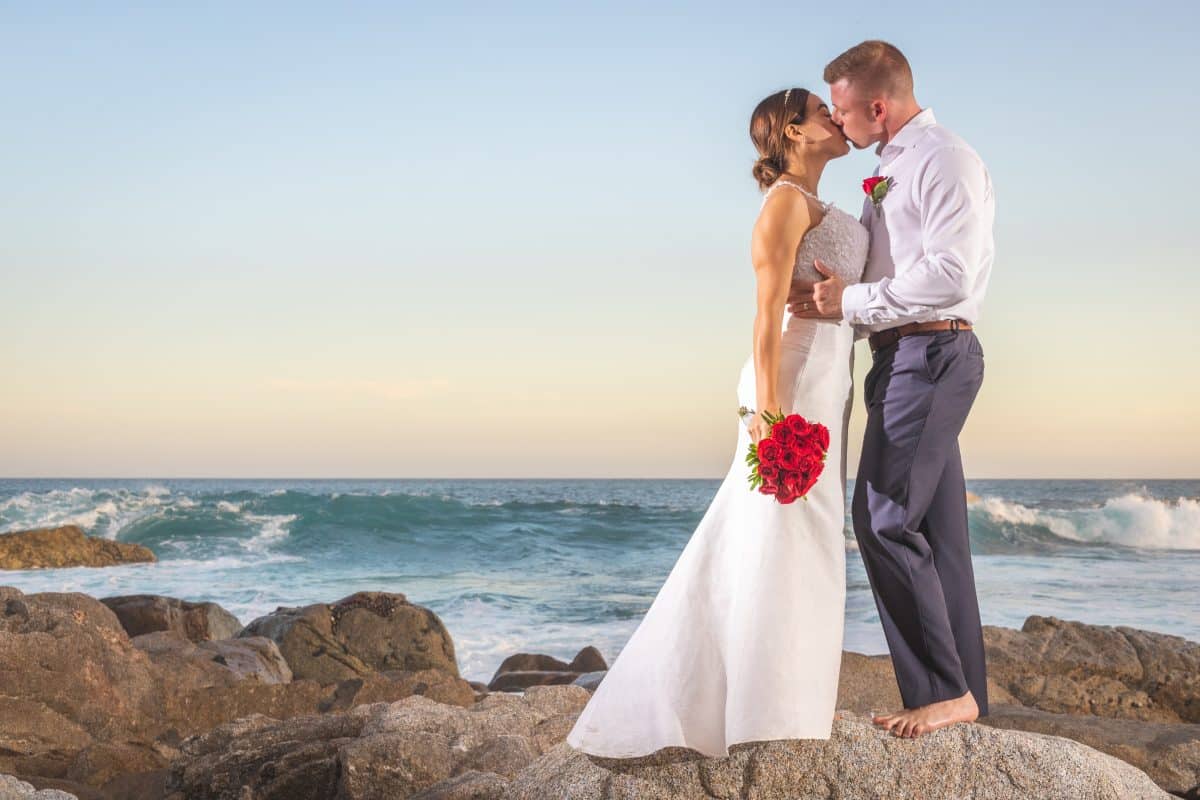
[799, 292]
[758, 428]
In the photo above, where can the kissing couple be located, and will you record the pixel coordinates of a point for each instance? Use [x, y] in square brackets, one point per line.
[743, 641]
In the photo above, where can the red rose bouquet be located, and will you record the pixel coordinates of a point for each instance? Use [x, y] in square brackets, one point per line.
[788, 462]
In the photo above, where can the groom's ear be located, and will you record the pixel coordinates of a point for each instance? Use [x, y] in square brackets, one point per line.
[878, 110]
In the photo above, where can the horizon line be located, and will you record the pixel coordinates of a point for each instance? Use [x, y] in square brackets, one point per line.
[499, 478]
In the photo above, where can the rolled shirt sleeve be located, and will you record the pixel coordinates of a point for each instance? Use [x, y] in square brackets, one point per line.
[953, 191]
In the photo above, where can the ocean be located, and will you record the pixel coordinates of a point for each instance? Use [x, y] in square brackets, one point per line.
[551, 566]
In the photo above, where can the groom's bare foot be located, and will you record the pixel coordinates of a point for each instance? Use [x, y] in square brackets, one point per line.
[912, 722]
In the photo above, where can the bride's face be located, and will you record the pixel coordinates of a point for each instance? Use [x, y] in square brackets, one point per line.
[819, 131]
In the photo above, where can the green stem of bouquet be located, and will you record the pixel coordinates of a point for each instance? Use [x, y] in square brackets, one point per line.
[752, 456]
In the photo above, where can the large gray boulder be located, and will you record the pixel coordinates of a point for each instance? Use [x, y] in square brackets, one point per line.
[509, 747]
[1169, 753]
[858, 762]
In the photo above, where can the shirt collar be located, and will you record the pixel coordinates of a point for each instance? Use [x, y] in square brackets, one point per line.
[908, 135]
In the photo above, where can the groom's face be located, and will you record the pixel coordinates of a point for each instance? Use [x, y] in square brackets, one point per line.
[854, 114]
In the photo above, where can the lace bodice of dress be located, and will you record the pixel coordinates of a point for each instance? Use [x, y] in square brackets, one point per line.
[839, 240]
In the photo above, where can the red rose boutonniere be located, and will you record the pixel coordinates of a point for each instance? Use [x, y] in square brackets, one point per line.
[877, 188]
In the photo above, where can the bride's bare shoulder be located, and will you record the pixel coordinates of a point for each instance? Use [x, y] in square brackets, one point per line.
[784, 212]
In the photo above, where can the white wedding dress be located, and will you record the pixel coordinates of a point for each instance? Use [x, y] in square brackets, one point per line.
[743, 641]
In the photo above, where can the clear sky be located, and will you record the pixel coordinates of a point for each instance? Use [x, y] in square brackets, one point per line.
[303, 239]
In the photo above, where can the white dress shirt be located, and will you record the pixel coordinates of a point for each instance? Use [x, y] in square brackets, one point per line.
[931, 238]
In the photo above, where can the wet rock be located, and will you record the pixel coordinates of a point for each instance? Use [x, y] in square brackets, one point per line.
[66, 546]
[522, 670]
[590, 680]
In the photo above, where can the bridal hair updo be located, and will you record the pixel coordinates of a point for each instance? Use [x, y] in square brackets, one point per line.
[767, 124]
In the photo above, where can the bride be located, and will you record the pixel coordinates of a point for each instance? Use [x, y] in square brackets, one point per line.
[743, 641]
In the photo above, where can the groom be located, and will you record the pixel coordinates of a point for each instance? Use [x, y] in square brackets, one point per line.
[930, 221]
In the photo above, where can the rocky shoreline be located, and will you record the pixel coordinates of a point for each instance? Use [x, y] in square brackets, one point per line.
[143, 697]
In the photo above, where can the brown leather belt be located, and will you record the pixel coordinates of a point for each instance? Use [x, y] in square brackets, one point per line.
[893, 335]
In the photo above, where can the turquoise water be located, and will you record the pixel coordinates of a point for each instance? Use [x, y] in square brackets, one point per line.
[553, 565]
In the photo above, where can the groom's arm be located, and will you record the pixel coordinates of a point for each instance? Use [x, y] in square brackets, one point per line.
[955, 231]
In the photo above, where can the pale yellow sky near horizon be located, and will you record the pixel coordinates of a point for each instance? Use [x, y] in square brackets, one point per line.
[564, 392]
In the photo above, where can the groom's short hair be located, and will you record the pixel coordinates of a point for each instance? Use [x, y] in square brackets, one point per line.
[874, 67]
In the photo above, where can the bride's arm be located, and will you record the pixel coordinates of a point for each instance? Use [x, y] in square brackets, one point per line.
[782, 224]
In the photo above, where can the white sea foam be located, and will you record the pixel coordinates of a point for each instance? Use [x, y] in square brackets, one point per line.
[98, 512]
[18, 501]
[55, 499]
[274, 527]
[1130, 520]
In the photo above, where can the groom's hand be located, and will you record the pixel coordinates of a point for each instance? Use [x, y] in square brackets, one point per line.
[821, 300]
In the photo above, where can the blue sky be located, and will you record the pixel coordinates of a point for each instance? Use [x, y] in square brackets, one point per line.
[299, 239]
